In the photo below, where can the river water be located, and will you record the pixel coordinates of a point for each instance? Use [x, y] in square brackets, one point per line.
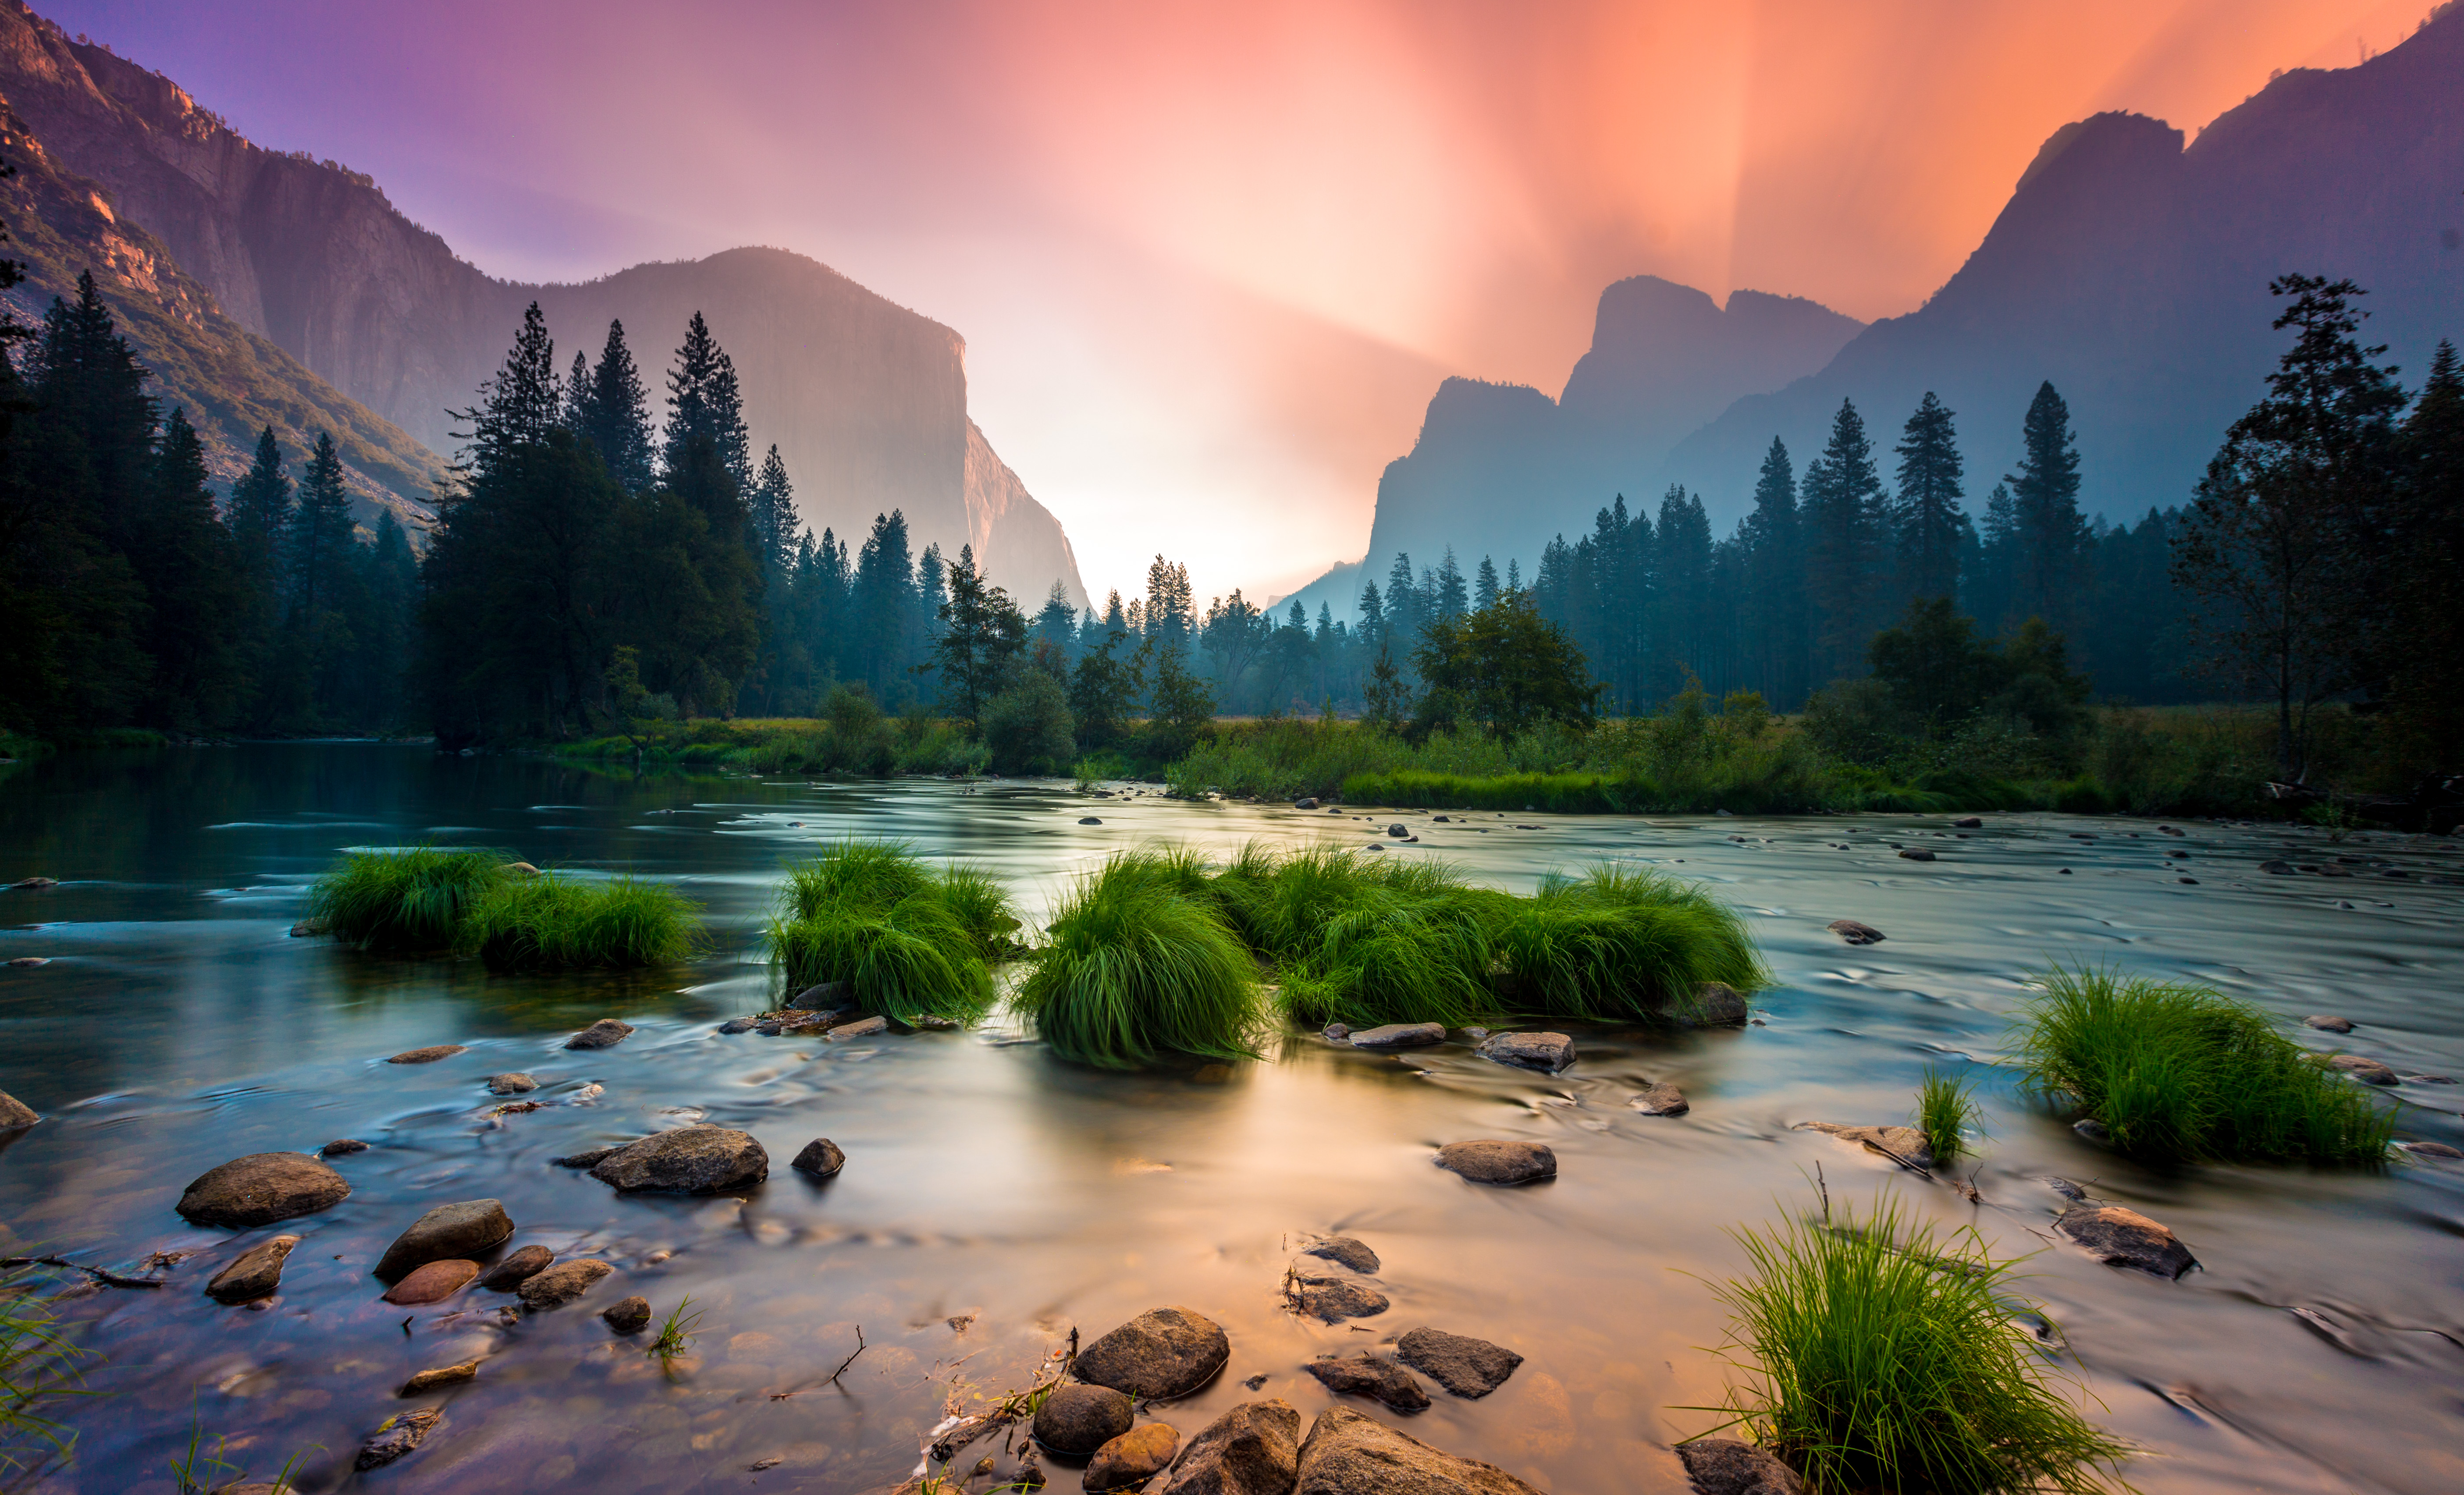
[994, 1198]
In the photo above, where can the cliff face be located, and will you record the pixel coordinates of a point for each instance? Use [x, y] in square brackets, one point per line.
[866, 400]
[2133, 273]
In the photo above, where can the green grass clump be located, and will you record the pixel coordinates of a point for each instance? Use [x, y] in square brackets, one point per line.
[1622, 943]
[1881, 1360]
[1945, 1108]
[412, 899]
[2180, 1071]
[910, 941]
[553, 922]
[1135, 968]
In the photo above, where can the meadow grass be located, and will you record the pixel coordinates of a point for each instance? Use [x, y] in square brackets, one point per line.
[553, 922]
[2184, 1072]
[1945, 1108]
[411, 900]
[1622, 943]
[1878, 1359]
[1137, 967]
[910, 941]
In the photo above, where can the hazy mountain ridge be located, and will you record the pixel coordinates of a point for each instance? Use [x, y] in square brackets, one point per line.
[866, 400]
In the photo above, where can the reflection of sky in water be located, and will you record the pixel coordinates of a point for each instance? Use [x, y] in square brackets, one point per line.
[180, 1026]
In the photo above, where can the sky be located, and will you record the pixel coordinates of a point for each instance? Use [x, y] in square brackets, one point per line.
[1211, 260]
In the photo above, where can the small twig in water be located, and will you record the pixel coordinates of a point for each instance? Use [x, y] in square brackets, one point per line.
[850, 1360]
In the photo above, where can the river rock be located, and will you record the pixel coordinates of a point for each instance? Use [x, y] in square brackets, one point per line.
[1346, 1249]
[1462, 1365]
[14, 1112]
[1132, 1459]
[1079, 1419]
[697, 1159]
[1349, 1454]
[1373, 1375]
[1331, 1299]
[1725, 1467]
[1253, 1449]
[1661, 1100]
[605, 1033]
[824, 997]
[1493, 1161]
[260, 1188]
[397, 1435]
[1400, 1035]
[1855, 934]
[860, 1027]
[465, 1228]
[1717, 1005]
[561, 1284]
[439, 1377]
[517, 1268]
[511, 1084]
[1162, 1352]
[2370, 1072]
[631, 1316]
[254, 1275]
[428, 1055]
[821, 1158]
[1546, 1052]
[433, 1281]
[1905, 1142]
[2118, 1236]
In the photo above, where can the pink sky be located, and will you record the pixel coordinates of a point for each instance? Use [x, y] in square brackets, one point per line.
[1211, 260]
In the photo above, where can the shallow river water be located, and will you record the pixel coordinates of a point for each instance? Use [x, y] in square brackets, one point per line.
[994, 1199]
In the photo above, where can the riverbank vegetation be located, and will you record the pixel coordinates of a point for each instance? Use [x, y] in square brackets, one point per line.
[2177, 1072]
[1877, 1357]
[554, 922]
[910, 941]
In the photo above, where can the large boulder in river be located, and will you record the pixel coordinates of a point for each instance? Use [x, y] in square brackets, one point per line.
[260, 1188]
[463, 1230]
[1349, 1454]
[1492, 1161]
[14, 1112]
[1162, 1352]
[1253, 1449]
[254, 1275]
[700, 1159]
[1725, 1467]
[1079, 1419]
[1467, 1367]
[2118, 1236]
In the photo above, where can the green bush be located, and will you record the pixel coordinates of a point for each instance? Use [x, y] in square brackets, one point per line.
[911, 942]
[1878, 1360]
[2180, 1071]
[411, 900]
[553, 922]
[1137, 967]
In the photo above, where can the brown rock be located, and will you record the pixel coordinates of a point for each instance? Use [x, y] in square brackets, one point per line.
[1855, 934]
[397, 1435]
[1373, 1375]
[821, 1158]
[517, 1268]
[428, 1055]
[432, 1283]
[1661, 1100]
[1253, 1449]
[1079, 1419]
[697, 1159]
[440, 1377]
[464, 1229]
[1725, 1467]
[2118, 1236]
[1462, 1365]
[255, 1274]
[1162, 1352]
[560, 1284]
[1493, 1161]
[1132, 1459]
[631, 1316]
[260, 1188]
[14, 1112]
[605, 1033]
[1906, 1143]
[1349, 1454]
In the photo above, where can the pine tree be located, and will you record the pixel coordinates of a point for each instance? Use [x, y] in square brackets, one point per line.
[2052, 537]
[1840, 516]
[616, 415]
[1927, 514]
[520, 404]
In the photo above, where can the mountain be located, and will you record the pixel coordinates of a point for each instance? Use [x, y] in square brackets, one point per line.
[866, 400]
[1498, 467]
[2132, 271]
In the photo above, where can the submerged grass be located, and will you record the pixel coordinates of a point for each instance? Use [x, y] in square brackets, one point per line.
[1622, 943]
[1138, 966]
[1878, 1359]
[2180, 1071]
[1945, 1108]
[908, 941]
[411, 900]
[553, 922]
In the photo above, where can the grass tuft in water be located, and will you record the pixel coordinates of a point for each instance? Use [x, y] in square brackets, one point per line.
[1945, 1109]
[2184, 1072]
[412, 899]
[911, 942]
[1622, 943]
[1878, 1359]
[554, 922]
[1135, 968]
